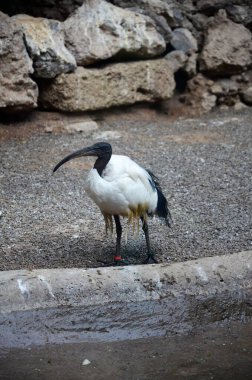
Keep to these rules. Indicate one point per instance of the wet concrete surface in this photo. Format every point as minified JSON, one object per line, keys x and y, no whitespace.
{"x":204,"y":166}
{"x":120,"y":303}
{"x":222,"y":352}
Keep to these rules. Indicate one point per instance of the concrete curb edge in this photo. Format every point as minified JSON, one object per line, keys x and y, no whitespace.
{"x":55,"y":305}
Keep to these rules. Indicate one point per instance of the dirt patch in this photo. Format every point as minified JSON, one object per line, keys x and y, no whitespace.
{"x":195,"y":138}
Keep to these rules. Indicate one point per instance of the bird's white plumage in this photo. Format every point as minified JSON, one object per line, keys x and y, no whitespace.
{"x":123,"y":189}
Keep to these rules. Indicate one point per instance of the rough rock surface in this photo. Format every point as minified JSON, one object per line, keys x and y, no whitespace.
{"x":240,"y":14}
{"x":171,"y":10}
{"x":209,"y":37}
{"x":199,"y":94}
{"x":45,"y":44}
{"x":114,"y":85}
{"x":196,"y":23}
{"x":247,"y":95}
{"x":202,"y":94}
{"x":211,"y":6}
{"x":99,"y":30}
{"x":191,"y":64}
{"x":176,"y":60}
{"x":162,"y":25}
{"x":228,"y":47}
{"x":17,"y":90}
{"x":182,"y":39}
{"x":227,"y":91}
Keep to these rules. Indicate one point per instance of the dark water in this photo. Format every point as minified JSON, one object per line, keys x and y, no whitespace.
{"x":217,"y":353}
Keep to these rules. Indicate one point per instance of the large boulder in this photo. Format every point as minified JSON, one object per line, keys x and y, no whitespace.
{"x":18,"y":92}
{"x":227,"y":49}
{"x":45,"y":43}
{"x":99,"y":30}
{"x":114,"y":85}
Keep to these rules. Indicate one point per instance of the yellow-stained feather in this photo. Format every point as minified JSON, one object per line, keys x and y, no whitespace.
{"x":134,"y":213}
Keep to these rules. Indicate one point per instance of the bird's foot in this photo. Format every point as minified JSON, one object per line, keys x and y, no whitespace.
{"x":150,"y":259}
{"x":118,"y":261}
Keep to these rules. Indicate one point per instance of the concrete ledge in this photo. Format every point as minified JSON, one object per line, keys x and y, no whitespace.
{"x":59,"y":305}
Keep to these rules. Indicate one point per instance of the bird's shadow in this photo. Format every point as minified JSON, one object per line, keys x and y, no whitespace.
{"x":62,"y":251}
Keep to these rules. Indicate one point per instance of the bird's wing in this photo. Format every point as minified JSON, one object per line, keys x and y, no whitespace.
{"x":120,"y":167}
{"x":132,"y":182}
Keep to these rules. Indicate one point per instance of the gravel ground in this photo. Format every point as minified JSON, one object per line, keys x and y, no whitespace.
{"x":204,"y":166}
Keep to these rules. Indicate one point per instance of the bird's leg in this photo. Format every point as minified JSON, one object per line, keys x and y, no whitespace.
{"x":150,"y":256}
{"x":118,"y":237}
{"x":118,"y":259}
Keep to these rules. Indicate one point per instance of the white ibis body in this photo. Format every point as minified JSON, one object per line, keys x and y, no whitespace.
{"x":120,"y":187}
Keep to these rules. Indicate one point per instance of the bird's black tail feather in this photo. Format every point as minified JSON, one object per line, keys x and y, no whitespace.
{"x":162,"y":209}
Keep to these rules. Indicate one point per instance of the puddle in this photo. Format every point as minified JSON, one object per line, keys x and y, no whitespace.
{"x":217,"y":353}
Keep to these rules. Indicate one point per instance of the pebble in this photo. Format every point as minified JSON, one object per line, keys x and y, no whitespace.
{"x":85,"y":127}
{"x":86,"y":362}
{"x":107,"y":135}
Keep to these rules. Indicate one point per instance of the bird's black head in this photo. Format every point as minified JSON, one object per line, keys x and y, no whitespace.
{"x":102,"y":150}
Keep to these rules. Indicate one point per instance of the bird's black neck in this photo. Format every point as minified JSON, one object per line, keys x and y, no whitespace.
{"x":101,"y":162}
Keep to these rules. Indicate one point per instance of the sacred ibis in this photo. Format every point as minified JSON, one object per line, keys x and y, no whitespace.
{"x":120,"y":187}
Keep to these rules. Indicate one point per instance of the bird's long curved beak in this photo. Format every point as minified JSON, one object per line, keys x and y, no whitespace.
{"x":89,"y":151}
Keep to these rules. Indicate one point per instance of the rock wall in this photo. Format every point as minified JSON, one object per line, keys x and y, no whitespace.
{"x":17,"y":90}
{"x":76,"y":55}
